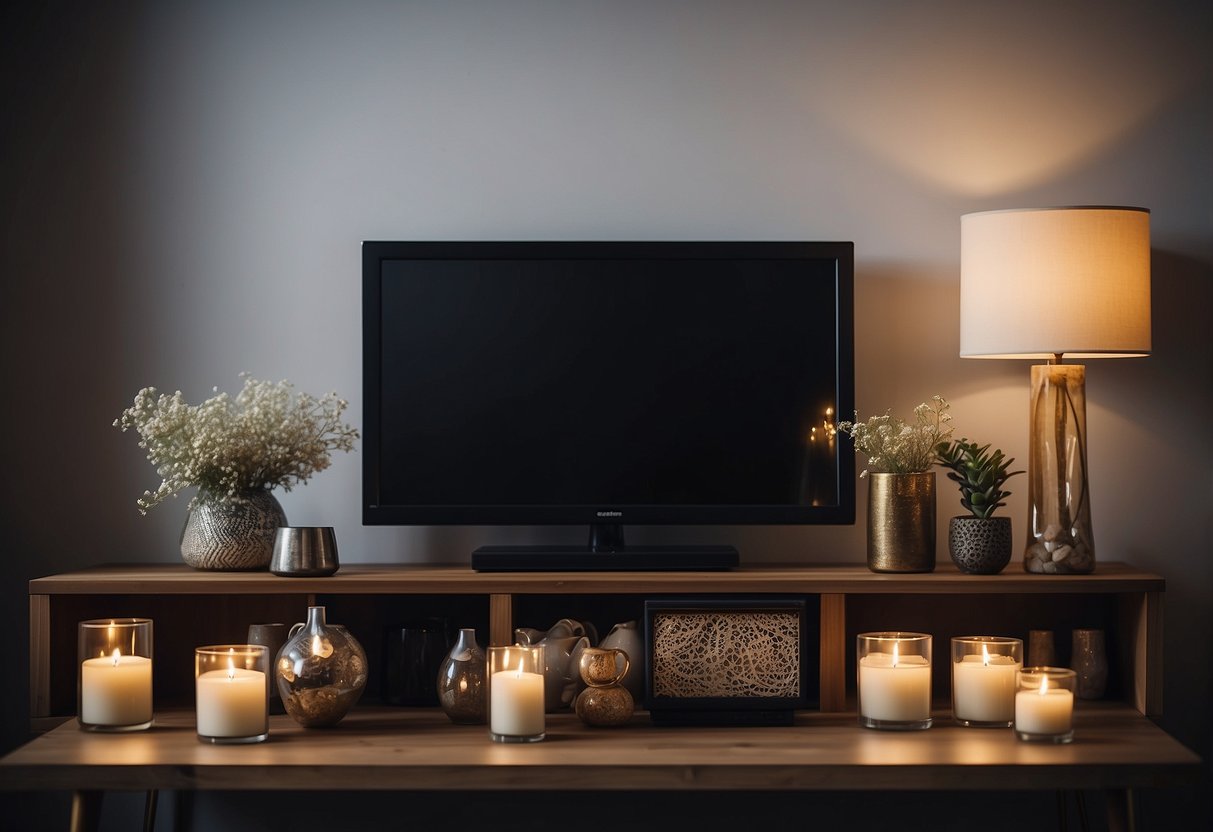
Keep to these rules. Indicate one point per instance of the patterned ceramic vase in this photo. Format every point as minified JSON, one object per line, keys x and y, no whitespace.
{"x":232,"y":533}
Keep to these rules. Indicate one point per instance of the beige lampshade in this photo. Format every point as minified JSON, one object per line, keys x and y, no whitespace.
{"x":1049,"y":281}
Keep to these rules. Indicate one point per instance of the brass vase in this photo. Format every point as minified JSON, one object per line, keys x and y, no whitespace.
{"x":901,"y":522}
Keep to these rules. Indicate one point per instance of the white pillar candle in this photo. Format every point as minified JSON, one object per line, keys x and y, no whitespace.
{"x":231,"y":703}
{"x":894,"y":689}
{"x":1047,"y":710}
{"x":116,"y":690}
{"x":516,"y":704}
{"x":983,"y":687}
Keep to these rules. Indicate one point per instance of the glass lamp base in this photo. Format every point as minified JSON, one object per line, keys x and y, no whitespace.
{"x":1060,"y":540}
{"x":515,"y":739}
{"x":234,"y":740}
{"x":1054,"y":739}
{"x":895,"y":724}
{"x":115,"y":729}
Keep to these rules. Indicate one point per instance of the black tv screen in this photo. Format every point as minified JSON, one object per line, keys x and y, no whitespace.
{"x":629,"y":383}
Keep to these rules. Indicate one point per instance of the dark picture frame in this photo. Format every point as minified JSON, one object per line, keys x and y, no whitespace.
{"x":710,"y":633}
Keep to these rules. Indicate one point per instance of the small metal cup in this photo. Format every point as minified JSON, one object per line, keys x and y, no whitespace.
{"x":304,"y":552}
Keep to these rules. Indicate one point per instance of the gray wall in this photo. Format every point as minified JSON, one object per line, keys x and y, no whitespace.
{"x":185,"y":186}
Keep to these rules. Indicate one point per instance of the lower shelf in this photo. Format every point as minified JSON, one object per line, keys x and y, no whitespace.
{"x":419,"y":750}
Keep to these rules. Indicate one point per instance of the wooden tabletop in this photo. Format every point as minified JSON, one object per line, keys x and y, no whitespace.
{"x":385,"y":579}
{"x":418,"y":749}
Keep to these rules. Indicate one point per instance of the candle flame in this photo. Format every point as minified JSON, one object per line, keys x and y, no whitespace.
{"x":316,"y":645}
{"x":985,"y":656}
{"x":1044,"y":685}
{"x":117,"y":654}
{"x":894,"y":654}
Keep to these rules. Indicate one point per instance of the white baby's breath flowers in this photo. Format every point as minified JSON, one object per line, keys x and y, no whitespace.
{"x":894,"y":447}
{"x":267,"y":436}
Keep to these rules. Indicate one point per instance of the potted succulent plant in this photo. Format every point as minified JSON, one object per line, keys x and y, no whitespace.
{"x":979,"y":542}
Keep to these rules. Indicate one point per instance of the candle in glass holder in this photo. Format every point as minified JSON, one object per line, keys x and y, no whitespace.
{"x":1044,"y":704}
{"x":114,"y":689}
{"x":984,"y":672}
{"x":894,"y":680}
{"x":516,"y":712}
{"x":231,"y":693}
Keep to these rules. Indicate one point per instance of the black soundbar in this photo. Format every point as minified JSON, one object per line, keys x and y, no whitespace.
{"x":581,"y":559}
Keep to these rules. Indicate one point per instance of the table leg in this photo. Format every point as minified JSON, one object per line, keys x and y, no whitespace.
{"x":1063,"y":822}
{"x":183,"y":811}
{"x":1121,"y":810}
{"x":86,"y":810}
{"x":149,"y":810}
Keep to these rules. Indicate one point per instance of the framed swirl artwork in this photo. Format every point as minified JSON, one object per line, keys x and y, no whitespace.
{"x":725,"y":662}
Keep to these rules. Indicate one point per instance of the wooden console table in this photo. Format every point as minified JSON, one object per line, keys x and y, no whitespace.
{"x":1117,"y":747}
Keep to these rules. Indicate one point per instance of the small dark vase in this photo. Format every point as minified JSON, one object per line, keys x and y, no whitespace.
{"x":461,"y":682}
{"x":980,"y":545}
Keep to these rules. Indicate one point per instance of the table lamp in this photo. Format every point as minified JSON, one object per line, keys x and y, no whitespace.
{"x":1056,"y":283}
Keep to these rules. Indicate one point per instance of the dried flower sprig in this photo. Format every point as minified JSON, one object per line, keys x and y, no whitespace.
{"x":267,"y":436}
{"x":894,"y":447}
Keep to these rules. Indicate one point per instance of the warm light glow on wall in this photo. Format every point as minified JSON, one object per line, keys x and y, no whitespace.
{"x":1001,"y":101}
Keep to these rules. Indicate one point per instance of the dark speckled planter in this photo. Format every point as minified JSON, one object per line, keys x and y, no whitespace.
{"x":980,"y":546}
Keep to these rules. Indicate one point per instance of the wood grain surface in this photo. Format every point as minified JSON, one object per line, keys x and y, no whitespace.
{"x":410,"y":749}
{"x":373,"y":579}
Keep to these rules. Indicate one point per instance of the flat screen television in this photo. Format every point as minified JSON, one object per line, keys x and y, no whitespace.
{"x":607,"y":384}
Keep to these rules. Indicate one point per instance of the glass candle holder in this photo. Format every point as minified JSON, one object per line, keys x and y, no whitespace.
{"x":231,"y":693}
{"x":1044,"y":704}
{"x":894,"y":680}
{"x":516,"y":694}
{"x":114,"y":684}
{"x":984,"y":670}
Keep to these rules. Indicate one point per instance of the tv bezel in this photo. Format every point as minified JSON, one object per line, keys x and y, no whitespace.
{"x":375,"y":252}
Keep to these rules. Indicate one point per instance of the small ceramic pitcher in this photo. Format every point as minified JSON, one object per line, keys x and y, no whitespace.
{"x":626,"y":637}
{"x":562,"y":676}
